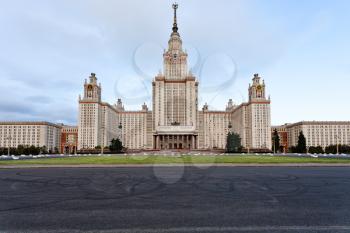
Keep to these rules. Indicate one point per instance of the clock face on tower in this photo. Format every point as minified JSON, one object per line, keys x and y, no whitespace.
{"x":89,"y":91}
{"x":259,"y":88}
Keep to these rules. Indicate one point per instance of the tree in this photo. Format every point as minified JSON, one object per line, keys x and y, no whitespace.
{"x":233,"y":144}
{"x":116,"y":146}
{"x":293,"y":149}
{"x":44,"y":150}
{"x":275,"y":141}
{"x":316,"y":150}
{"x":26,"y":150}
{"x":56,"y":150}
{"x":301,"y":147}
{"x":98,"y":147}
{"x":345,"y":149}
{"x":20,"y":150}
{"x":33,"y":150}
{"x":331,"y":149}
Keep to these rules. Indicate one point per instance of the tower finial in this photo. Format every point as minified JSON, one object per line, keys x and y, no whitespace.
{"x":175,"y":7}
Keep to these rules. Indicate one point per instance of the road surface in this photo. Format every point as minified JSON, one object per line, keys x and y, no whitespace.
{"x":175,"y":199}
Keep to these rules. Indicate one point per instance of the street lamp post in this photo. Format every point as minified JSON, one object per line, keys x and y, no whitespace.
{"x":246,"y":138}
{"x":229,"y":127}
{"x":120,"y":127}
{"x":9,"y":138}
{"x":337,"y":138}
{"x":102,"y":143}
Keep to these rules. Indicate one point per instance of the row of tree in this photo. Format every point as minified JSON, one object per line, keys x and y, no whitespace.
{"x":28,"y":150}
{"x":233,"y":145}
{"x":332,"y":149}
{"x":116,"y":146}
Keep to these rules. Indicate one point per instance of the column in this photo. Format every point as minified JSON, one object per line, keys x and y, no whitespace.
{"x":195,"y":142}
{"x":166,"y":142}
{"x":158,"y":142}
{"x":192,"y":142}
{"x":154,"y":143}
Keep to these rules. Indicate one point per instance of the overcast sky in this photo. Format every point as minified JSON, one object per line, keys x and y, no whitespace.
{"x":300,"y":48}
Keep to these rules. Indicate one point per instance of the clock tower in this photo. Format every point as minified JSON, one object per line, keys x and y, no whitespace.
{"x":92,"y":90}
{"x":257,"y":89}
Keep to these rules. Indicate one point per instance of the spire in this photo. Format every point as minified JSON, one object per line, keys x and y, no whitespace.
{"x":175,"y":6}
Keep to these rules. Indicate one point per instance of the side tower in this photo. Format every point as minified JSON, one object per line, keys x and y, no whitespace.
{"x":89,"y":121}
{"x":258,"y":116}
{"x":252,"y":120}
{"x":175,"y":99}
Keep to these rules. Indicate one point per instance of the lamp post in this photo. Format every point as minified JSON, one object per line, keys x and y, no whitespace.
{"x":120,"y":127}
{"x":229,"y":127}
{"x":9,"y":138}
{"x":337,"y":138}
{"x":246,"y":138}
{"x":102,"y":143}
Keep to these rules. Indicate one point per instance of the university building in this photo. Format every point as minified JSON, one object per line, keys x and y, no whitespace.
{"x":175,"y":121}
{"x":320,"y":133}
{"x":39,"y":134}
{"x":317,"y":133}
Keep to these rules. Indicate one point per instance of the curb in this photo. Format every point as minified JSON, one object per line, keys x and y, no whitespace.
{"x":178,"y":165}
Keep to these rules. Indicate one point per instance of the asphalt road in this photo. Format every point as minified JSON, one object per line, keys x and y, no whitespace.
{"x":175,"y":199}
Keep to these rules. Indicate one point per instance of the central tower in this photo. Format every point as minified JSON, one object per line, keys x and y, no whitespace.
{"x":175,"y":59}
{"x":175,"y":98}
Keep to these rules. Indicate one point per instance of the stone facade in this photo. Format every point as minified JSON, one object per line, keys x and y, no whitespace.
{"x":69,"y":139}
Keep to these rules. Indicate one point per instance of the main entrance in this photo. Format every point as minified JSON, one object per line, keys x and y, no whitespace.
{"x":175,"y":142}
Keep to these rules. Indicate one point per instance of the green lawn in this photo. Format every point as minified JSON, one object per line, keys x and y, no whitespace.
{"x":122,"y":159}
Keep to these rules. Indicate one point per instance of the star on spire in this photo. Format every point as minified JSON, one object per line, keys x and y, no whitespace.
{"x":175,"y":7}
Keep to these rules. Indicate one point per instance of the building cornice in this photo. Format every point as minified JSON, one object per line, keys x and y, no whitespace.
{"x":133,"y":112}
{"x":301,"y":123}
{"x":216,"y":112}
{"x":30,"y":123}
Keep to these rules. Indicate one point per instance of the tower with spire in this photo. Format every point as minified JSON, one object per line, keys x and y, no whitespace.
{"x":175,"y":96}
{"x":175,"y":59}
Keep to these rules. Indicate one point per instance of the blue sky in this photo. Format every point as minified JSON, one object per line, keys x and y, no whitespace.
{"x":300,"y":48}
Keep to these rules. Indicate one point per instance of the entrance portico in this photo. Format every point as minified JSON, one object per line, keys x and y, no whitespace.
{"x":175,"y":138}
{"x":175,"y":142}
